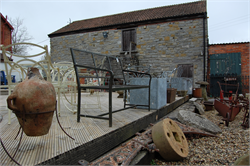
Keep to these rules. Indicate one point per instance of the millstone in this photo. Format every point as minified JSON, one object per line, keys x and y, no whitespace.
{"x":170,"y":140}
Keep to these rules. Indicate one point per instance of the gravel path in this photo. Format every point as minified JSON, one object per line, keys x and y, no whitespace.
{"x":225,"y":149}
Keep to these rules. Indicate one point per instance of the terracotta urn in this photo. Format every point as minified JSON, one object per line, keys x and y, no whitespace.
{"x":33,"y":101}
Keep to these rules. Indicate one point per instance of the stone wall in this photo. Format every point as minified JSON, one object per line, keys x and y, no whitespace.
{"x":163,"y":45}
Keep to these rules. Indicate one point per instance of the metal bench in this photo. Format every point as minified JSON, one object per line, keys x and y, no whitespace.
{"x":104,"y":67}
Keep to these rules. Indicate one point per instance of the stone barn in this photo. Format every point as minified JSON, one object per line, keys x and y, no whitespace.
{"x":163,"y":37}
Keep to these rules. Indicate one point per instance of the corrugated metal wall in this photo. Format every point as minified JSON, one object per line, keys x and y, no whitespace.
{"x":229,"y":63}
{"x":224,"y":66}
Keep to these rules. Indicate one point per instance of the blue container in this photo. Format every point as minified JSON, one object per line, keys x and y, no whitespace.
{"x":13,"y":78}
{"x":158,"y":92}
{"x":182,"y":83}
{"x":3,"y":78}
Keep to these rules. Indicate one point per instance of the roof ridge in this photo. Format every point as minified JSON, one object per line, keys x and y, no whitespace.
{"x":149,"y":14}
{"x":186,"y":3}
{"x":230,"y":43}
{"x":5,"y":19}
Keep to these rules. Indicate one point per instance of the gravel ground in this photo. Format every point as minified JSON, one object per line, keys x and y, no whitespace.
{"x":225,"y":149}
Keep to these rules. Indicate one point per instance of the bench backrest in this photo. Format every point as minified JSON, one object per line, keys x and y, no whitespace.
{"x":94,"y":61}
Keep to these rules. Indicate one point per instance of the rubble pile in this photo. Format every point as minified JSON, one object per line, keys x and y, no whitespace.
{"x":231,"y":144}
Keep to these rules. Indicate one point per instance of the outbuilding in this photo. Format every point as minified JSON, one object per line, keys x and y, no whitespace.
{"x":228,"y":63}
{"x":163,"y":37}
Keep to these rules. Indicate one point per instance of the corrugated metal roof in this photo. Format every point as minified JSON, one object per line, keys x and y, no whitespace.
{"x":229,"y":43}
{"x":135,"y":16}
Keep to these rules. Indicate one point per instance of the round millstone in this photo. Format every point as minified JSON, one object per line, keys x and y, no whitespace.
{"x":170,"y":140}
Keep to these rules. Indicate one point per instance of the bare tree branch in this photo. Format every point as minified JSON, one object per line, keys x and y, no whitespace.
{"x":19,"y":35}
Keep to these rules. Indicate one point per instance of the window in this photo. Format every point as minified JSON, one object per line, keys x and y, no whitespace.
{"x":185,"y":70}
{"x":128,"y":36}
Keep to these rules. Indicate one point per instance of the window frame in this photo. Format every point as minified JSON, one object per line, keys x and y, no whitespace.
{"x":122,"y":42}
{"x":192,"y":71}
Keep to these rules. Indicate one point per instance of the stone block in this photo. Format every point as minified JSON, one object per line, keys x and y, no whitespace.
{"x":197,"y":121}
{"x":199,"y":108}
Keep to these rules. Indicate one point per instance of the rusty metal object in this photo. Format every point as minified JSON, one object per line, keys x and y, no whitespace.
{"x":246,"y":119}
{"x":228,"y":108}
{"x":124,"y":154}
{"x":33,"y":101}
{"x":245,"y":108}
{"x":170,"y":140}
{"x":187,"y":130}
{"x":225,"y":106}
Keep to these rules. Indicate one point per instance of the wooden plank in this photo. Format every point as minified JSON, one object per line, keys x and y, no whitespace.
{"x":9,"y":142}
{"x":34,"y":150}
{"x":26,"y":150}
{"x":79,"y":132}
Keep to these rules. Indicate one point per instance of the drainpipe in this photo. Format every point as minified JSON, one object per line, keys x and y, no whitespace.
{"x":204,"y":45}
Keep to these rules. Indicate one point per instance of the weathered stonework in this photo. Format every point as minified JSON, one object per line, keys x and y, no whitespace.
{"x":162,"y":45}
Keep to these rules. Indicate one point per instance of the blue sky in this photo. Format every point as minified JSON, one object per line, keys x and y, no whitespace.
{"x":228,"y":19}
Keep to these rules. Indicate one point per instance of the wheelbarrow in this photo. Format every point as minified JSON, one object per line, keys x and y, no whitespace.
{"x":229,"y":107}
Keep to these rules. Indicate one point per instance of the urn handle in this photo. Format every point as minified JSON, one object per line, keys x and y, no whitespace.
{"x":10,"y":105}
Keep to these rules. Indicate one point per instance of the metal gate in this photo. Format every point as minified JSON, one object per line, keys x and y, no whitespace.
{"x":225,"y":68}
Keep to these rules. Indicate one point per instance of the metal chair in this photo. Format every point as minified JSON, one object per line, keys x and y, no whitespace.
{"x":63,"y":78}
{"x":113,"y":66}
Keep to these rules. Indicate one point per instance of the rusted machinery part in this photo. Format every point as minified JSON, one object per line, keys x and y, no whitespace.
{"x":190,"y":130}
{"x":224,"y":107}
{"x":227,"y":119}
{"x":245,"y":123}
{"x":124,"y":154}
{"x":170,"y":140}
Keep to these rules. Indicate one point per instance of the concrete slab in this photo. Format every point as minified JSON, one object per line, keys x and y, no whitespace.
{"x":197,"y":121}
{"x":199,"y":108}
{"x":188,"y":106}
